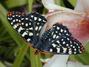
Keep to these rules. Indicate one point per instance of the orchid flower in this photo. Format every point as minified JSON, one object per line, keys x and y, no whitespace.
{"x":76,"y":20}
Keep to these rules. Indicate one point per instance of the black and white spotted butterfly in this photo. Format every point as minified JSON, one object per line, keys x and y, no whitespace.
{"x":57,"y":40}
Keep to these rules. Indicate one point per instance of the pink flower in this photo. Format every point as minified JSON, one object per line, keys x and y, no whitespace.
{"x":76,"y":20}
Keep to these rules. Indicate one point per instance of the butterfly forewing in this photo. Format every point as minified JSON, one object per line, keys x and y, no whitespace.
{"x":38,"y":22}
{"x":27,"y":25}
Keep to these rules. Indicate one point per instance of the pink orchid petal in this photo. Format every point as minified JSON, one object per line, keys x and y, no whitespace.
{"x":82,"y":6}
{"x":77,"y":24}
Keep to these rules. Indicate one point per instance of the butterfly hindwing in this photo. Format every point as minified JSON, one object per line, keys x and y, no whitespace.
{"x":65,"y":46}
{"x":59,"y":40}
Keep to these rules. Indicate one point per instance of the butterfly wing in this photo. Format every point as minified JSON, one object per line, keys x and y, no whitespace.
{"x":38,"y":23}
{"x":28,"y":26}
{"x":59,"y":40}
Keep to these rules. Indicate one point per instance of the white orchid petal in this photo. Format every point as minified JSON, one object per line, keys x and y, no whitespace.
{"x":57,"y":61}
{"x":82,"y":6}
{"x":61,"y":61}
{"x":50,"y":5}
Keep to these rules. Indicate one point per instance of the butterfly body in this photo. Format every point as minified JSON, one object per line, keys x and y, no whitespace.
{"x":57,"y":40}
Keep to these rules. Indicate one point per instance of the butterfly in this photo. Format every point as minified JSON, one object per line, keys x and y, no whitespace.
{"x":57,"y":40}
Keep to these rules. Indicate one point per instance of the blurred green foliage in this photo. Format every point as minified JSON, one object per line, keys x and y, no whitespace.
{"x":14,"y":51}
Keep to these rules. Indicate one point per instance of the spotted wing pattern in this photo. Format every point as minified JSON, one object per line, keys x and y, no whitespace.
{"x":59,"y":40}
{"x":27,"y":25}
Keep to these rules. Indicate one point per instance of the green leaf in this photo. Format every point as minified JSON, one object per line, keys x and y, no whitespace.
{"x":2,"y":65}
{"x":20,"y":42}
{"x":73,"y":2}
{"x":83,"y":58}
{"x":15,"y":3}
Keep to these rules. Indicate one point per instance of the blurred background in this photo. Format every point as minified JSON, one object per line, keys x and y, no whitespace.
{"x":14,"y":51}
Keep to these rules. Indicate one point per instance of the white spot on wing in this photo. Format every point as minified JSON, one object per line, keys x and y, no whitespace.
{"x":20,"y":28}
{"x":61,"y":30}
{"x":31,"y":28}
{"x":32,"y":16}
{"x":58,"y":50}
{"x":64,"y":50}
{"x":13,"y":21}
{"x":75,"y":49}
{"x":28,"y":40}
{"x":9,"y":18}
{"x":51,"y":50}
{"x":22,"y":18}
{"x":30,"y":34}
{"x":68,"y":39}
{"x":13,"y":16}
{"x":25,"y":33}
{"x":29,"y":23}
{"x":75,"y":52}
{"x":36,"y":28}
{"x":62,"y":39}
{"x":54,"y":45}
{"x":26,"y":24}
{"x":38,"y":23}
{"x":58,"y":42}
{"x":54,"y":36}
{"x":39,"y":19}
{"x":15,"y":26}
{"x":35,"y":18}
{"x":26,"y":18}
{"x":58,"y":28}
{"x":44,"y":21}
{"x":67,"y":44}
{"x":17,"y":20}
{"x":40,"y":27}
{"x":67,"y":34}
{"x":65,"y":31}
{"x":70,"y":51}
{"x":22,"y":23}
{"x":57,"y":36}
{"x":63,"y":42}
{"x":16,"y":15}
